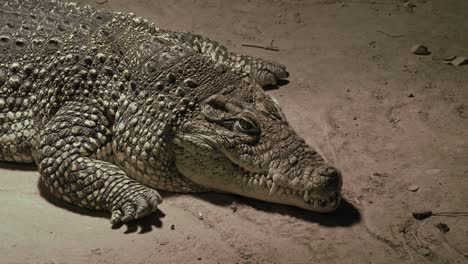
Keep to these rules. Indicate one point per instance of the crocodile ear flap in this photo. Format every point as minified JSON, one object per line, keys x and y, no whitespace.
{"x":217,"y":108}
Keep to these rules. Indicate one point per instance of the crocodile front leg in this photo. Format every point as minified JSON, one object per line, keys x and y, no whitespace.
{"x":66,"y":154}
{"x":264,"y":72}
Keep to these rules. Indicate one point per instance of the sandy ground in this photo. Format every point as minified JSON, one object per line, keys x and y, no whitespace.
{"x":387,"y":118}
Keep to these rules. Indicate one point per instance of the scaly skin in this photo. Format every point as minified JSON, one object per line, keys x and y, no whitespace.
{"x":111,"y":108}
{"x":263,"y":72}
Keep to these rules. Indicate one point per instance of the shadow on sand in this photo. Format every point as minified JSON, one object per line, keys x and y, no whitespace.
{"x":345,"y":215}
{"x":279,"y":83}
{"x":18,"y":166}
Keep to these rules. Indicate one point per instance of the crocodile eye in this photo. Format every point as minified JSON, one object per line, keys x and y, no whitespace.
{"x":247,"y":126}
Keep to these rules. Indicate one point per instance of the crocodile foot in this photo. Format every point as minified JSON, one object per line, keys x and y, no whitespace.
{"x":136,"y":205}
{"x":268,"y":73}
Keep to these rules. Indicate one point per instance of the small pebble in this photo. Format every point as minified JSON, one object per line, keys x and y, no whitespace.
{"x":422,"y":214}
{"x":423,"y":251}
{"x":443,"y":227}
{"x":172,"y":227}
{"x":233,"y":207}
{"x":420,"y":50}
{"x":456,"y":60}
{"x":413,"y":187}
{"x":409,"y":6}
{"x":410,"y":95}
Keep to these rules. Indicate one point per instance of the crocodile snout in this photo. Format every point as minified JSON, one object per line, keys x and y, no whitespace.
{"x":331,"y":178}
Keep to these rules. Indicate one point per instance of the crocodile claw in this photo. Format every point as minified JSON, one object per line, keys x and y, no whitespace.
{"x":136,"y":206}
{"x":267,"y":73}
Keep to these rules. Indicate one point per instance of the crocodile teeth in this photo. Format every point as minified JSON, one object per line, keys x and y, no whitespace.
{"x":263,"y":181}
{"x":306,"y":196}
{"x":274,"y":188}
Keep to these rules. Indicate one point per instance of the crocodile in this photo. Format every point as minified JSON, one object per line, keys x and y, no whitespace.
{"x":112,"y":108}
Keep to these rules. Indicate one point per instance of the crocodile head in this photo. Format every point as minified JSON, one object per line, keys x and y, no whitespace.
{"x":240,"y":142}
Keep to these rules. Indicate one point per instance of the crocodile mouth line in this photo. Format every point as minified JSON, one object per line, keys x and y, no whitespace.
{"x":309,"y":197}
